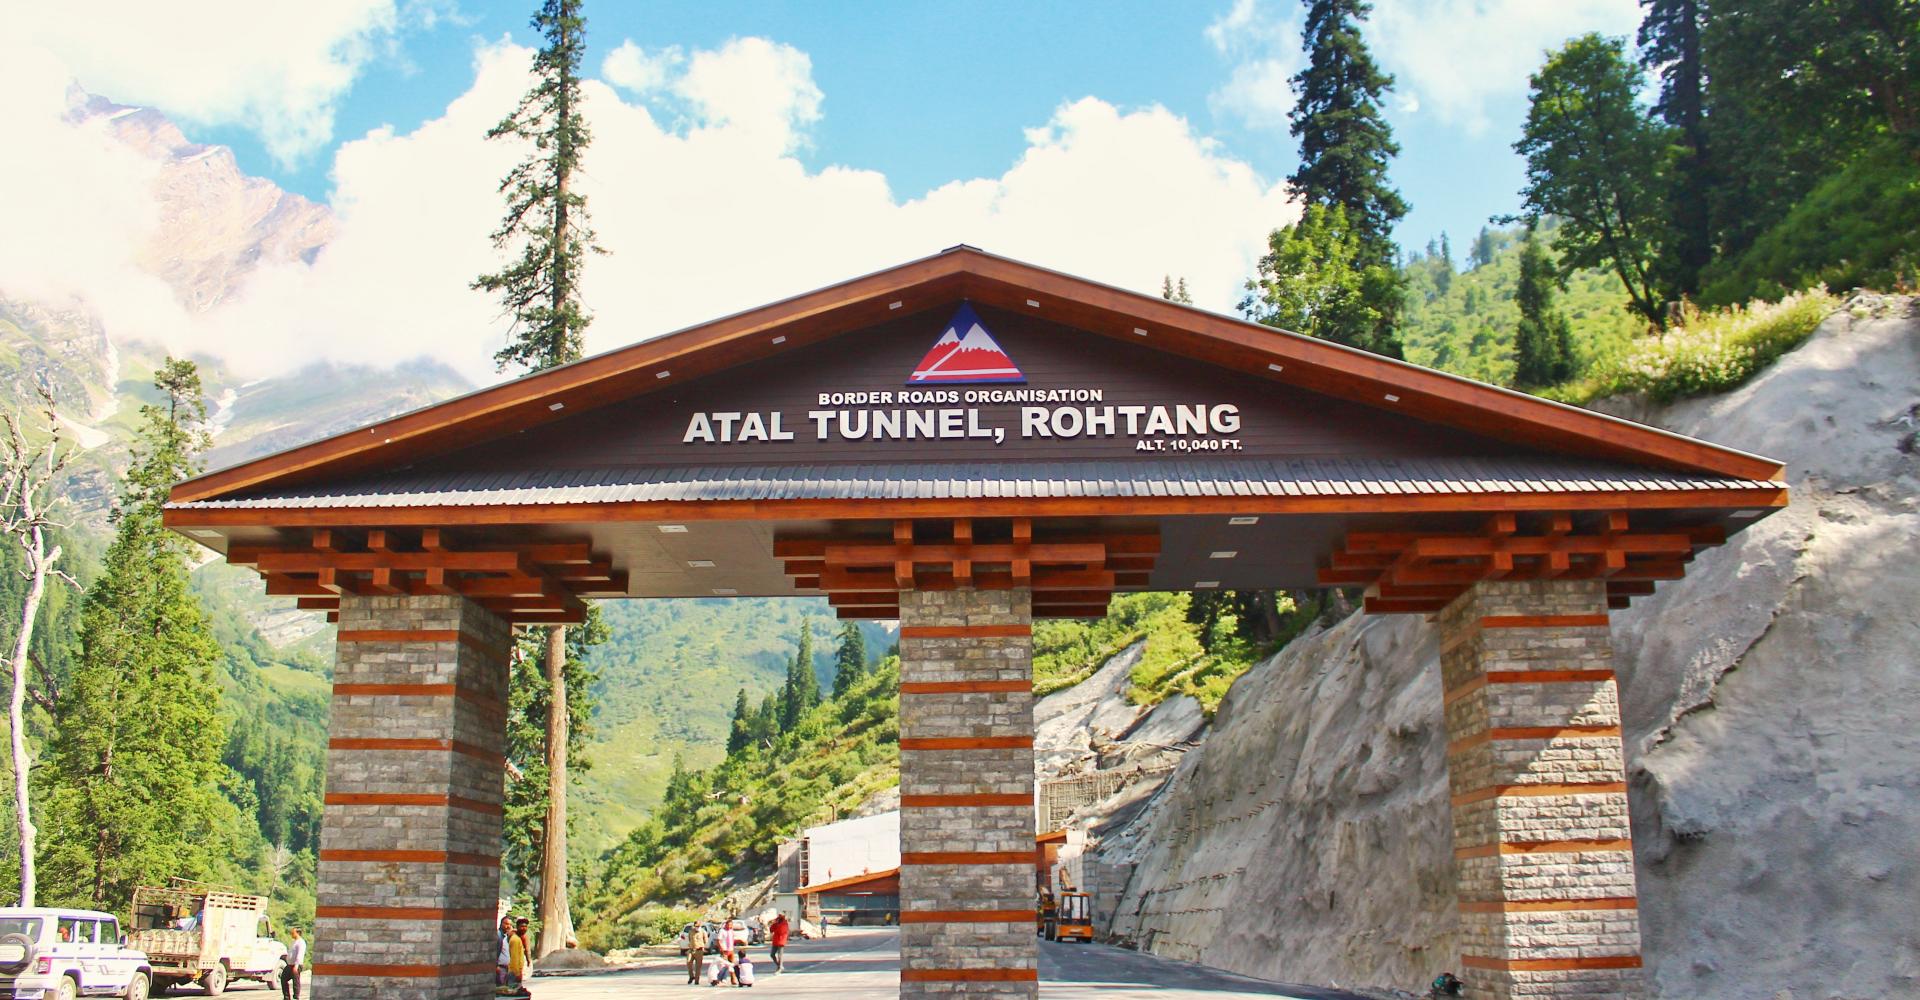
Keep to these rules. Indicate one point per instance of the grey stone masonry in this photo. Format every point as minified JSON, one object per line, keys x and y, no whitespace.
{"x":967,"y":870}
{"x":410,"y":838}
{"x":1542,"y":843}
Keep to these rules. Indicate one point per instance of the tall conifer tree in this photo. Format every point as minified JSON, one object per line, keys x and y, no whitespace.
{"x":1670,"y":36}
{"x":546,"y":223}
{"x":1345,"y":147}
{"x":802,"y":690}
{"x":131,"y":772}
{"x":850,"y":660}
{"x":1543,"y":340}
{"x":1345,"y":142}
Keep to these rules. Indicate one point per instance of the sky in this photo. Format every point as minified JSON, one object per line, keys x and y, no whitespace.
{"x":744,"y":150}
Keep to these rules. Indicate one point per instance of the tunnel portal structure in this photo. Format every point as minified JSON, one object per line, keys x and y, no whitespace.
{"x":966,"y":443}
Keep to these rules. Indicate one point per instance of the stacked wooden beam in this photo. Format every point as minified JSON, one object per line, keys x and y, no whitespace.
{"x":1417,"y":573}
{"x":1071,"y":577}
{"x":527,"y":583}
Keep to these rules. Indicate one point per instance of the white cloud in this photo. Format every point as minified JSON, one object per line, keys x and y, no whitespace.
{"x":762,"y":92}
{"x":1263,"y":47}
{"x":274,"y":68}
{"x":1456,"y":58}
{"x":705,"y":215}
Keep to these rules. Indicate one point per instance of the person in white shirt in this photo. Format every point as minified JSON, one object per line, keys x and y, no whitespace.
{"x":743,"y":970}
{"x":296,"y":961}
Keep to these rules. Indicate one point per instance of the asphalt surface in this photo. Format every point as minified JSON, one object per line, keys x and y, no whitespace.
{"x":864,"y":964}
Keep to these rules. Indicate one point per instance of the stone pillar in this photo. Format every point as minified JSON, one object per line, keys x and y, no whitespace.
{"x":1542,"y":843}
{"x":409,"y":878}
{"x":967,"y":890}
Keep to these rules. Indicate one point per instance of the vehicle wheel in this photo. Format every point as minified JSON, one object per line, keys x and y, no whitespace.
{"x":215,"y":981}
{"x":137,"y":989}
{"x":67,"y":990}
{"x":25,"y":944}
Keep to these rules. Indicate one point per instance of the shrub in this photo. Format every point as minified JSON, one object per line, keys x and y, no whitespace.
{"x":1713,"y":352}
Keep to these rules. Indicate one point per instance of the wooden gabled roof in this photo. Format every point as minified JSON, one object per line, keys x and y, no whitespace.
{"x":967,"y":273}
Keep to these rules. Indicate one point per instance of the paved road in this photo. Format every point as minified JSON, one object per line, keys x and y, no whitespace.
{"x":864,"y":965}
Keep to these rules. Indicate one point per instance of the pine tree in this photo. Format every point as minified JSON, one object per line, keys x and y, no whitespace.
{"x":740,"y":731}
{"x":1670,"y":35}
{"x":766,"y":719}
{"x":546,"y":221}
{"x":530,"y":709}
{"x":802,"y":690}
{"x":132,"y":772}
{"x":1543,"y":340}
{"x":1175,"y":293}
{"x":1345,"y":142}
{"x":850,"y":660}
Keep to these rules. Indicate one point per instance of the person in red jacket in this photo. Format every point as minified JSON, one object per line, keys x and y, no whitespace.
{"x":777,"y":938}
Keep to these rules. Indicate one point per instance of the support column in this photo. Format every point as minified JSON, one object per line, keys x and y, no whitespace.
{"x":409,"y":877}
{"x":966,"y":795}
{"x":1542,"y":844}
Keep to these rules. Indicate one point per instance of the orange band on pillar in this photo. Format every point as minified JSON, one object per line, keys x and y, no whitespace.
{"x":1542,"y":621}
{"x":962,"y":687}
{"x":967,"y":858}
{"x":965,"y":631}
{"x":1551,"y":964}
{"x":1544,"y":847}
{"x":967,"y":743}
{"x":1548,"y":905}
{"x":390,"y":799}
{"x":978,"y":799}
{"x":967,"y":916}
{"x":419,"y":857}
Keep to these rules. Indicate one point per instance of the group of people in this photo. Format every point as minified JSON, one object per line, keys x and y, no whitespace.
{"x":516,"y":947}
{"x":722,"y":956}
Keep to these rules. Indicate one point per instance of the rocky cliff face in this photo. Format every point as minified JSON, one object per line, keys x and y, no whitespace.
{"x":1772,"y":717}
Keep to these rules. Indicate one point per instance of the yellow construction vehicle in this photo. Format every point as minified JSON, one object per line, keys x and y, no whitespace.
{"x":1066,"y":915}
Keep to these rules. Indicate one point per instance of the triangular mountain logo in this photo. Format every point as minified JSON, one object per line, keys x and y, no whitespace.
{"x":965,"y":352}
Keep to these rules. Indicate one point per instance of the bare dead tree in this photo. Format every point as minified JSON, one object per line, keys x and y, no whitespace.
{"x":27,"y":474}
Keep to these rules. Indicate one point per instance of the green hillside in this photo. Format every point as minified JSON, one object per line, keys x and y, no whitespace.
{"x":668,"y":678}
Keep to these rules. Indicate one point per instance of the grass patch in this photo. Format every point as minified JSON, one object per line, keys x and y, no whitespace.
{"x":1713,"y":352}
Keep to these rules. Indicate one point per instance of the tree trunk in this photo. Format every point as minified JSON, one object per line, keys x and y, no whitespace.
{"x":556,"y":917}
{"x":37,"y":564}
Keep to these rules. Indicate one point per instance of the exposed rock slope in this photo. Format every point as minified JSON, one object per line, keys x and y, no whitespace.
{"x":1772,"y":704}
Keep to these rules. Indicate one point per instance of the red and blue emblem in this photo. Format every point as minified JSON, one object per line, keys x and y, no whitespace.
{"x":965,"y":352}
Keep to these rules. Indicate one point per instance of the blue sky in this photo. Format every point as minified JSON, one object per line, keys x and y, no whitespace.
{"x":743,"y":152}
{"x":930,"y":93}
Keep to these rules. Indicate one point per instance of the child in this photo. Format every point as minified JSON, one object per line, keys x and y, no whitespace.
{"x":743,"y":970}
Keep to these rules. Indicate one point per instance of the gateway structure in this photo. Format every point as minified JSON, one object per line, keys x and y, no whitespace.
{"x":1276,"y":461}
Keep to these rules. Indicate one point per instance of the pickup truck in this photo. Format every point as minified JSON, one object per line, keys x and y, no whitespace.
{"x":212,"y":935}
{"x":56,"y":954}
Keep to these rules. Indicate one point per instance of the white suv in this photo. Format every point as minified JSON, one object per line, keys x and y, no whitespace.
{"x":51,"y":954}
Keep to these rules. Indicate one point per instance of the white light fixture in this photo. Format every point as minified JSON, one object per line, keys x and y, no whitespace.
{"x":673,"y":529}
{"x":1744,"y":515}
{"x":662,"y":373}
{"x":556,"y":406}
{"x":203,"y":533}
{"x":893,"y":305}
{"x":1276,"y":368}
{"x":1243,"y":520}
{"x":1223,"y":554}
{"x":780,"y":339}
{"x":1139,"y":332}
{"x":724,"y":592}
{"x":1391,"y":398}
{"x":1206,"y":584}
{"x":1034,"y":303}
{"x":699,"y":564}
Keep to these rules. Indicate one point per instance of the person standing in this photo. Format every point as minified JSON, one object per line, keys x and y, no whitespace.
{"x":731,"y":938}
{"x":517,"y":953}
{"x":777,"y":939}
{"x":296,"y":962}
{"x":696,"y":951}
{"x":504,"y":957}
